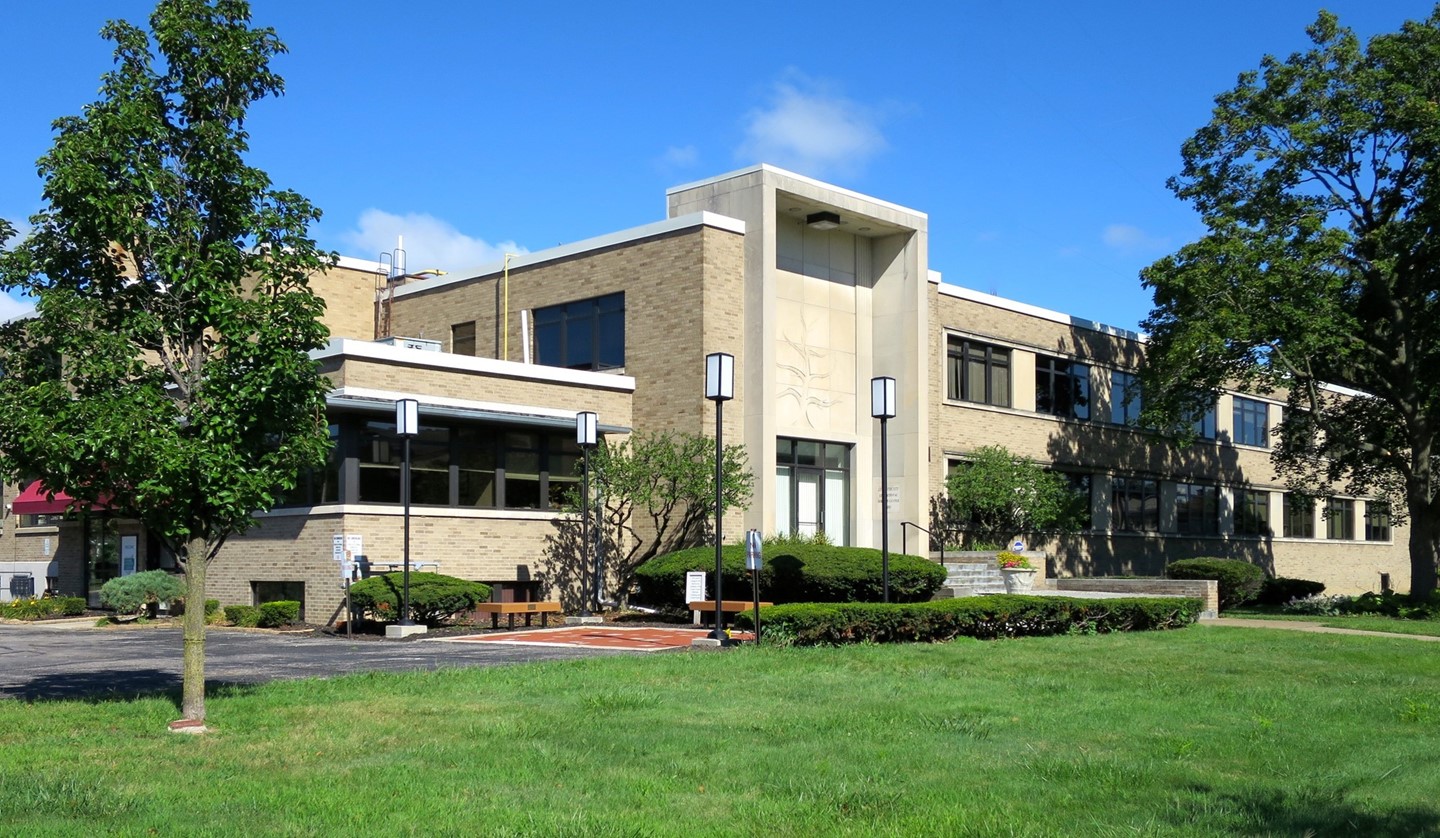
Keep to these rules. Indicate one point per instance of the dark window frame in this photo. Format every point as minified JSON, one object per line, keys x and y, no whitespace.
{"x":1125,"y":410}
{"x":1252,"y":512}
{"x":1377,"y":520}
{"x":960,"y":384}
{"x":1197,"y":509}
{"x":1062,"y":387}
{"x":1299,"y":516}
{"x":1142,"y":491}
{"x":604,"y":316}
{"x":1251,"y":422}
{"x":1339,"y":519}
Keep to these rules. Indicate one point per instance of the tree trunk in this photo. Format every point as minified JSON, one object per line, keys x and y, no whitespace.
{"x":192,"y":702}
{"x":1424,"y":549}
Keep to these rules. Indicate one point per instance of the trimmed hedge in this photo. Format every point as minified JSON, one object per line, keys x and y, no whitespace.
{"x":1238,"y":581}
{"x":434,"y":597}
{"x":40,"y":609}
{"x":282,"y":612}
{"x":794,"y":572}
{"x":987,"y":617}
{"x":1281,"y":590}
{"x":130,"y":594}
{"x":245,"y":616}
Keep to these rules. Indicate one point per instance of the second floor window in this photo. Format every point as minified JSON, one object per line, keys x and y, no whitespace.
{"x":1124,"y":398}
{"x":1062,"y":388}
{"x":977,"y":372}
{"x":583,"y":335}
{"x":1252,"y":422}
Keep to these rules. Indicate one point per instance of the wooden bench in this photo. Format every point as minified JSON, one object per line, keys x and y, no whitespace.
{"x":700,"y":607}
{"x":510,"y":609}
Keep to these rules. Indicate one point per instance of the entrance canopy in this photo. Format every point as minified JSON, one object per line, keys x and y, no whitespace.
{"x":34,"y":500}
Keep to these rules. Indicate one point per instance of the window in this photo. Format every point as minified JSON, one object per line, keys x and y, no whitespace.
{"x":1340,"y":519}
{"x":1252,"y":512}
{"x":1299,"y":516}
{"x":1377,"y":520}
{"x":263,"y":592}
{"x":1197,"y":509}
{"x":462,"y":338}
{"x":978,"y":372}
{"x":1252,"y":422}
{"x":1062,"y":388}
{"x":1124,"y":398}
{"x":583,"y":335}
{"x":1077,"y":514}
{"x":1135,"y":505}
{"x":812,"y":488}
{"x":1204,"y":424}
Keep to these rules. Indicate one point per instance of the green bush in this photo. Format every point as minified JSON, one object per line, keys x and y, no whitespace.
{"x":282,"y":612}
{"x":988,"y":617}
{"x":1238,"y":581}
{"x":795,"y":572}
{"x":245,"y":616}
{"x":1281,"y":590}
{"x":130,"y":594}
{"x":212,"y":606}
{"x":70,"y":606}
{"x":434,"y":597}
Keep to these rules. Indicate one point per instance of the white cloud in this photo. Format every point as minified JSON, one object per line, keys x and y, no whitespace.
{"x":1129,"y":238}
{"x":430,"y":242}
{"x":680,"y":157}
{"x":808,"y":127}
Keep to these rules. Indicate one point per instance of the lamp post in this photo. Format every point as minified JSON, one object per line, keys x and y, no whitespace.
{"x":719,"y":388}
{"x":882,"y":407}
{"x":585,"y":427}
{"x":407,"y":424}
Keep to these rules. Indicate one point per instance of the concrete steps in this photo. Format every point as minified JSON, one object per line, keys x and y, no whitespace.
{"x":971,"y":579}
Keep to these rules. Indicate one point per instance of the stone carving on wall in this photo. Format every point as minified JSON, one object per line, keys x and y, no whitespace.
{"x":807,"y":386}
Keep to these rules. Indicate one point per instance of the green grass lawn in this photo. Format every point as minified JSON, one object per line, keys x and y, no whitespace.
{"x":1361,"y":622}
{"x":1205,"y":731}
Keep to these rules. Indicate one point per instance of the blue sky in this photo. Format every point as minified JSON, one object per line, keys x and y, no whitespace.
{"x":1037,"y":136}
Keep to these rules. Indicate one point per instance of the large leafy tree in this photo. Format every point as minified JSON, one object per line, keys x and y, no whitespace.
{"x":996,"y":495}
{"x":1319,"y":277}
{"x":167,"y":366}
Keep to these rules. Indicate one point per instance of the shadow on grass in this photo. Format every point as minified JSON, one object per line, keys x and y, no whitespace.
{"x":115,"y":685}
{"x":1316,"y":814}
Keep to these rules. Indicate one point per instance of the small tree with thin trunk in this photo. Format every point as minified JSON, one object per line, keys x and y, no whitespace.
{"x":996,"y":495}
{"x":167,"y":363}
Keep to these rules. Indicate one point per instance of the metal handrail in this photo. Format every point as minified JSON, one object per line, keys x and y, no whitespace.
{"x":904,"y":543}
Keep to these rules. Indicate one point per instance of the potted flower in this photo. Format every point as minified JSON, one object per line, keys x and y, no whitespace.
{"x":1018,"y":573}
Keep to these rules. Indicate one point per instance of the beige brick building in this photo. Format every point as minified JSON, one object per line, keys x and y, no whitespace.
{"x":815,"y":290}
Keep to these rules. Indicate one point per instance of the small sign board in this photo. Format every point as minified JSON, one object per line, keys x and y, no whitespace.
{"x":694,"y":586}
{"x":1018,"y":546}
{"x":753,"y":557}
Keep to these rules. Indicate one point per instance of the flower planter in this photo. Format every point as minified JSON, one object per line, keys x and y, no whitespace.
{"x":1018,"y":580}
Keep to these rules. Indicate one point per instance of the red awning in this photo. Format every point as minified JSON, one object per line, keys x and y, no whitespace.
{"x":34,"y":500}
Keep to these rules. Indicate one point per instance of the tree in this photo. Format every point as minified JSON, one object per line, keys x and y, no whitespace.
{"x":167,"y":362}
{"x":1318,"y":278}
{"x":997,"y":494}
{"x":657,"y":495}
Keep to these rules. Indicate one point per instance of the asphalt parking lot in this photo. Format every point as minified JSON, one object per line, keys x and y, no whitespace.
{"x":42,"y":662}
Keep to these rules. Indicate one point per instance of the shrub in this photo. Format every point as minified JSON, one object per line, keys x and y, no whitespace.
{"x":130,"y":594}
{"x":1316,"y":605}
{"x":1281,"y":590}
{"x":282,"y":612}
{"x":246,"y":616}
{"x":70,"y":606}
{"x":434,"y":597}
{"x":794,"y":571}
{"x":1238,"y":581}
{"x":988,"y":617}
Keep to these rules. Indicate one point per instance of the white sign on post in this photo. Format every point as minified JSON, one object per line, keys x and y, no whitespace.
{"x":337,"y":547}
{"x":695,"y":586}
{"x":752,"y":550}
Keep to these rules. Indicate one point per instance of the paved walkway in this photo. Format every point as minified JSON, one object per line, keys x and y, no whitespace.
{"x":632,"y":639}
{"x":1296,"y":625}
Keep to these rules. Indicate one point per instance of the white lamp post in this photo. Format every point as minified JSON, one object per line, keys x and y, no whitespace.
{"x":586,"y":423}
{"x":407,"y":424}
{"x":719,"y":388}
{"x":882,"y":407}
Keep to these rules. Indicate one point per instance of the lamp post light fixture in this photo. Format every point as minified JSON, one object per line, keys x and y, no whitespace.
{"x":882,"y":407}
{"x":407,"y":424}
{"x":586,"y":423}
{"x":719,"y":388}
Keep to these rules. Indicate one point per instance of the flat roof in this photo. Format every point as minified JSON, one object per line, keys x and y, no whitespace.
{"x":818,"y":184}
{"x":372,"y":351}
{"x":1018,"y":307}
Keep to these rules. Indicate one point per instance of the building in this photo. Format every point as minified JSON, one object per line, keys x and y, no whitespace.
{"x":815,"y":290}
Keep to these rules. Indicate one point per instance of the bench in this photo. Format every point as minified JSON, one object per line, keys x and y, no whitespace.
{"x":510,"y":609}
{"x":701,"y":607}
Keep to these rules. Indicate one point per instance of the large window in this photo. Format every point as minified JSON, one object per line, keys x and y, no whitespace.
{"x":1062,"y":387}
{"x":1340,"y":519}
{"x":1252,"y":512}
{"x":1252,"y":422}
{"x":1299,"y":516}
{"x":1197,"y":509}
{"x":1204,"y":424}
{"x":978,"y":372}
{"x":1134,"y":504}
{"x":812,"y":488}
{"x":1377,"y":520}
{"x":1124,"y":398}
{"x":583,"y":335}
